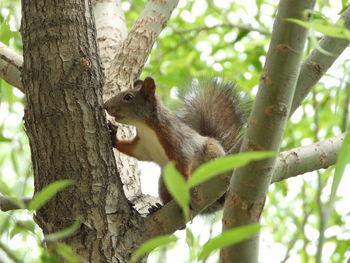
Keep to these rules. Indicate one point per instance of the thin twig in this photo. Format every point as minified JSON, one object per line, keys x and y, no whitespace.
{"x":11,"y":66}
{"x":320,"y":208}
{"x":345,"y":119}
{"x":7,"y":204}
{"x":300,"y":227}
{"x":229,"y":25}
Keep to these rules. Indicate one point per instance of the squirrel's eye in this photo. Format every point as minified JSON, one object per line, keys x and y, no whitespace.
{"x":128,"y":97}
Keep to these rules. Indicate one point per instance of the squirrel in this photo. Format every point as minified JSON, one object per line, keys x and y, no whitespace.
{"x":207,"y":125}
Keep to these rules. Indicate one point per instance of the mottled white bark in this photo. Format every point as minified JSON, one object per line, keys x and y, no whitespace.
{"x":132,"y":55}
{"x":10,"y":66}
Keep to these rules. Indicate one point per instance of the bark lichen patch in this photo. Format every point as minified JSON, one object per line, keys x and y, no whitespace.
{"x":323,"y":158}
{"x":266,"y":79}
{"x":279,"y":109}
{"x":315,"y":67}
{"x":232,"y":199}
{"x":252,"y":146}
{"x":255,"y":208}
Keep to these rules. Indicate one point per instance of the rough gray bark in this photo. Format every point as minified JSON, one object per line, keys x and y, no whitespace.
{"x":66,"y":126}
{"x":111,"y":32}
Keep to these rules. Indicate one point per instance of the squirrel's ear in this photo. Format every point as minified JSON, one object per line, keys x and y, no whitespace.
{"x":149,"y":87}
{"x":138,"y":83}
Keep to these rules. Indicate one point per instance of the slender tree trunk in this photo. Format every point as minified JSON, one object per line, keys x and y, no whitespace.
{"x":246,"y":196}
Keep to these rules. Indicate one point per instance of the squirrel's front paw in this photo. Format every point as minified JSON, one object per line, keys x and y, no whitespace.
{"x":113,"y":132}
{"x":154,"y":208}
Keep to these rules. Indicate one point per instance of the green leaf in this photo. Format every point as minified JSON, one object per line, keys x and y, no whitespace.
{"x":47,"y":193}
{"x":342,"y":161}
{"x":228,"y":238}
{"x":314,"y":41}
{"x":152,"y":244}
{"x":224,"y":164}
{"x":4,"y":139}
{"x":66,"y":252}
{"x":345,"y":6}
{"x":15,"y":231}
{"x":323,"y":27}
{"x":15,"y":163}
{"x":47,"y":258}
{"x":63,"y":233}
{"x":27,"y":225}
{"x":190,"y":239}
{"x":4,"y":188}
{"x":177,"y":187}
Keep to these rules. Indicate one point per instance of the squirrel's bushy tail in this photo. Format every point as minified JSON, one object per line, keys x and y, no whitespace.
{"x":214,"y":108}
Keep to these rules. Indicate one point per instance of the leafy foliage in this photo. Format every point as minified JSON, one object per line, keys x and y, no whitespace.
{"x":180,"y":189}
{"x":207,"y":38}
{"x":152,"y":244}
{"x":227,"y":238}
{"x":224,"y":164}
{"x":177,"y":187}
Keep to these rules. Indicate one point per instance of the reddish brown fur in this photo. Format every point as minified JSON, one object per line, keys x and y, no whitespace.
{"x":168,"y":141}
{"x":127,"y":146}
{"x":166,"y":138}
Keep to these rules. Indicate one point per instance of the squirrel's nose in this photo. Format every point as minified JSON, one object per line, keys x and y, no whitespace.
{"x":110,"y":106}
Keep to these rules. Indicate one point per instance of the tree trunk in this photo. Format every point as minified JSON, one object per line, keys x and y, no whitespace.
{"x":66,"y":126}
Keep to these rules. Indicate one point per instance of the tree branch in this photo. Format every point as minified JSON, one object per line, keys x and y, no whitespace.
{"x":229,"y":25}
{"x":289,"y":164}
{"x":67,"y":130}
{"x":110,"y":27}
{"x":317,"y":63}
{"x":295,"y":237}
{"x":7,"y":204}
{"x":246,"y":196}
{"x":11,"y":66}
{"x":346,"y":105}
{"x":307,"y":158}
{"x":132,"y":55}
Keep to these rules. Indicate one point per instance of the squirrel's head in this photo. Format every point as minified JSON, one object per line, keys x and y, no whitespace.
{"x":134,"y":105}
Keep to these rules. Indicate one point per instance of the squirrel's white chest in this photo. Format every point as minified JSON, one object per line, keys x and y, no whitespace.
{"x":149,"y":146}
